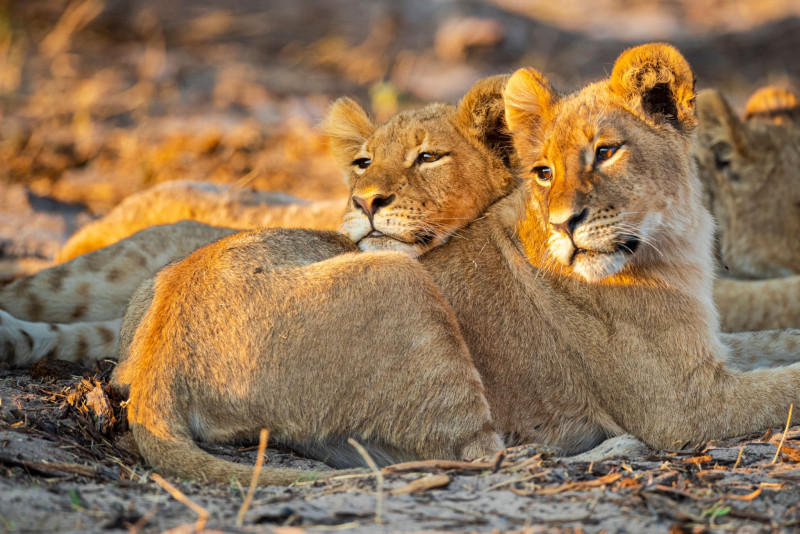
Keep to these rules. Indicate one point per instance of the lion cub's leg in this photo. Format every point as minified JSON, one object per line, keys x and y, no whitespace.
{"x":758,"y":304}
{"x":73,"y":311}
{"x":228,"y":343}
{"x":765,"y":348}
{"x":23,"y":343}
{"x":97,"y":285}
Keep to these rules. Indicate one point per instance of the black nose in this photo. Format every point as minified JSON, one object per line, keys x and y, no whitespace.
{"x":371,"y":205}
{"x":568,"y":226}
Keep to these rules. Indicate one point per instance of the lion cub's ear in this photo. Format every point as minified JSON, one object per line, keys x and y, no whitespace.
{"x":348,"y":126}
{"x":481,"y":113}
{"x":655,"y":80}
{"x":529,"y":98}
{"x":773,"y":104}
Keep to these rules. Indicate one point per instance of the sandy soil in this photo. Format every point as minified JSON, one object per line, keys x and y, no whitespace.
{"x":67,"y":463}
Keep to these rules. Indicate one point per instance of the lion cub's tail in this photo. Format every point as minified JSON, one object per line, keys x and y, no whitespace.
{"x":167,"y":445}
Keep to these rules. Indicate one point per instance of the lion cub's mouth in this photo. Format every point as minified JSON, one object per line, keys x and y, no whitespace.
{"x":594,"y":265}
{"x":376,"y":240}
{"x":628,"y":247}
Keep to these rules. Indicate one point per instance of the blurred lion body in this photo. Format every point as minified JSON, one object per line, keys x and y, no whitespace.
{"x":226,"y":206}
{"x":751,"y":176}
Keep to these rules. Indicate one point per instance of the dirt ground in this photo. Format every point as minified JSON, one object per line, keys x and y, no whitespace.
{"x":101,"y":99}
{"x":67,"y":464}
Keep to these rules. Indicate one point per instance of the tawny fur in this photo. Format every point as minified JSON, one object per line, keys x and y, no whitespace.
{"x":298,"y":366}
{"x":73,"y":311}
{"x":620,"y":334}
{"x":755,"y":243}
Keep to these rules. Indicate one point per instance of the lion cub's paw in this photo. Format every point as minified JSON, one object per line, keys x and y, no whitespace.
{"x":625,"y":446}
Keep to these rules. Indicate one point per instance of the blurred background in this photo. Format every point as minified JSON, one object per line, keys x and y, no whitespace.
{"x":103,"y":98}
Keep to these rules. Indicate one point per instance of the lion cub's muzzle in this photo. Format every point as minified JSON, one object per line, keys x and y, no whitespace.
{"x":595,"y":243}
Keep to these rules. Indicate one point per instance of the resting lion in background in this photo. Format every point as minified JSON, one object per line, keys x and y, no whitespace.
{"x":751,"y":175}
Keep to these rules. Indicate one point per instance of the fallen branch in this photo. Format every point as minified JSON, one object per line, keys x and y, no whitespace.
{"x":57,"y":469}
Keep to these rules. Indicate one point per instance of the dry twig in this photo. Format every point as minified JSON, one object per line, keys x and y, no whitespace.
{"x":435,"y":465}
{"x":783,"y":437}
{"x":378,"y":475}
{"x":178,"y":495}
{"x":262,"y":446}
{"x":423,"y":484}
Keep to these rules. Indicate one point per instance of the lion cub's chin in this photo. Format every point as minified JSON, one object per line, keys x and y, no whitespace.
{"x":387,"y":243}
{"x":591,"y":265}
{"x":594,"y":266}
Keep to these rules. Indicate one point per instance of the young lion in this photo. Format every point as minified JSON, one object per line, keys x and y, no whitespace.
{"x":584,"y":298}
{"x":72,"y":311}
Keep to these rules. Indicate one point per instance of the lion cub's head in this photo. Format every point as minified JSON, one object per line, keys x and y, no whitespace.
{"x":751,"y":176}
{"x":610,"y":166}
{"x":423,"y":175}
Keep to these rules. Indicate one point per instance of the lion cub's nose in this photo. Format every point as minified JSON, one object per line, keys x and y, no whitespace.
{"x":370,"y":205}
{"x":570,"y":223}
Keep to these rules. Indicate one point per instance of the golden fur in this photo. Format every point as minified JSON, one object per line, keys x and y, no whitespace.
{"x":584,"y":299}
{"x":761,"y":156}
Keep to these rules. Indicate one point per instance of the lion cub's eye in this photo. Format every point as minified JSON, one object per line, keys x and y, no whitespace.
{"x":604,"y":153}
{"x":544,"y":174}
{"x":362,"y":163}
{"x":428,"y":157}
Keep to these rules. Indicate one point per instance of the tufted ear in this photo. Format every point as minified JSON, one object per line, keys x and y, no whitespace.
{"x":773,"y":104}
{"x":720,"y":131}
{"x":656,"y":81}
{"x":529,"y":97}
{"x":481,"y":113}
{"x":348,"y":126}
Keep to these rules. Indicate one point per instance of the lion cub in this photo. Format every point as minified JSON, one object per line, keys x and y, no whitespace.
{"x":584,"y":298}
{"x":72,"y":311}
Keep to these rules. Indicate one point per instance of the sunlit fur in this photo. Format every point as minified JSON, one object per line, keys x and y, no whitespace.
{"x":229,"y":206}
{"x":627,"y":202}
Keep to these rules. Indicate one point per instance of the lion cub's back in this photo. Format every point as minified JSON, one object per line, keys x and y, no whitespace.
{"x":224,"y":263}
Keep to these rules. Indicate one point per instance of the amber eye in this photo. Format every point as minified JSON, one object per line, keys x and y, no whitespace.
{"x":427,"y":157}
{"x":543,"y":173}
{"x":362,"y":163}
{"x":604,"y":153}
